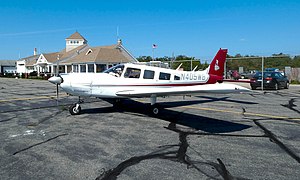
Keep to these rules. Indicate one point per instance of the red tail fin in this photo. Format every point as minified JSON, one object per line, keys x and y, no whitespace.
{"x":216,"y":67}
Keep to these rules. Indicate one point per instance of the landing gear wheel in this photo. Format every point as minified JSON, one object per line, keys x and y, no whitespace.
{"x":155,"y":110}
{"x":75,"y":109}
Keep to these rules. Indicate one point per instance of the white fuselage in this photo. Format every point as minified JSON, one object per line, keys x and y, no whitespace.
{"x":142,"y":81}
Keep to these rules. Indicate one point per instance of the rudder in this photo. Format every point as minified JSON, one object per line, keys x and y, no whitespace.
{"x":216,"y":67}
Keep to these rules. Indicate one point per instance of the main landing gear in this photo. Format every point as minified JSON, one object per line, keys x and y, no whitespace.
{"x":155,"y":109}
{"x":75,"y":109}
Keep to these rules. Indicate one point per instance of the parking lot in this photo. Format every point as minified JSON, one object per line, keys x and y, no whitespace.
{"x":224,"y":136}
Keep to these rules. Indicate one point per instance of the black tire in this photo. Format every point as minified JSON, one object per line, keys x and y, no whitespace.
{"x":73,"y":110}
{"x":155,"y":109}
{"x":287,"y":85}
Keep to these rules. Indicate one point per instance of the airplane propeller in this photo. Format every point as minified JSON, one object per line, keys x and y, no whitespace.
{"x":57,"y":80}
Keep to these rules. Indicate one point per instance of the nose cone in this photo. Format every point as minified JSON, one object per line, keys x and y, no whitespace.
{"x":55,"y":80}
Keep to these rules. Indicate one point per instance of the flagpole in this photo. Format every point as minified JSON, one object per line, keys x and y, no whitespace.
{"x":152,"y":53}
{"x":153,"y":47}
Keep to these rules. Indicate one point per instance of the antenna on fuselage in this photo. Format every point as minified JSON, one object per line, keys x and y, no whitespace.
{"x":178,"y":66}
{"x":195,"y":68}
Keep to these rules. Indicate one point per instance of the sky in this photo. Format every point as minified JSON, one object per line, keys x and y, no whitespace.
{"x":196,"y":28}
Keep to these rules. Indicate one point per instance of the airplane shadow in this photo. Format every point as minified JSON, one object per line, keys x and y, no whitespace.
{"x":203,"y":123}
{"x":176,"y":153}
{"x":225,"y":99}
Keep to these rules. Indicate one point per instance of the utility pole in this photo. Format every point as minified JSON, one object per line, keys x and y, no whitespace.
{"x":262,"y":73}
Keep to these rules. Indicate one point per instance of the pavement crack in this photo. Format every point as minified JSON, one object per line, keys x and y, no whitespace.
{"x":291,"y":105}
{"x":274,"y":139}
{"x":45,"y":118}
{"x":179,"y":155}
{"x":29,"y":147}
{"x":5,"y":120}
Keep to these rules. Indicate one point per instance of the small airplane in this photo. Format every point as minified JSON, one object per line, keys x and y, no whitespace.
{"x":137,"y":81}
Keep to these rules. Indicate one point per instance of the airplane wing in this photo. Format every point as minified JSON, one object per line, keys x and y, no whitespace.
{"x":183,"y":90}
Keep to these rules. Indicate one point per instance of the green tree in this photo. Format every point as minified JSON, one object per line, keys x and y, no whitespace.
{"x":186,"y":63}
{"x":144,"y":58}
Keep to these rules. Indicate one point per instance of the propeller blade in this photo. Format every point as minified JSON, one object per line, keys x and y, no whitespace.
{"x":57,"y":94}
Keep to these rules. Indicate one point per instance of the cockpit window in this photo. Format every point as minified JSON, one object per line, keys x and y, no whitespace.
{"x":132,"y":73}
{"x":115,"y":70}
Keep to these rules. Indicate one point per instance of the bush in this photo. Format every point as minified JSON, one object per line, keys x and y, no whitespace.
{"x":295,"y":82}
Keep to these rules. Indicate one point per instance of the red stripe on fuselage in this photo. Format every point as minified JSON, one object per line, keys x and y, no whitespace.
{"x":212,"y":79}
{"x":186,"y":84}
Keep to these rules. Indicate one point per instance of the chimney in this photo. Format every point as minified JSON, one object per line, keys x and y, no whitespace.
{"x":35,"y":51}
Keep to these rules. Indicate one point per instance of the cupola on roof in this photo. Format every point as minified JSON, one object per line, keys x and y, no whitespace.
{"x":76,"y":35}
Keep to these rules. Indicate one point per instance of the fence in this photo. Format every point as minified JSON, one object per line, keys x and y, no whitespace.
{"x":293,"y":73}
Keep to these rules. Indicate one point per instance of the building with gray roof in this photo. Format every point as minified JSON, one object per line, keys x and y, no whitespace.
{"x":78,"y":56}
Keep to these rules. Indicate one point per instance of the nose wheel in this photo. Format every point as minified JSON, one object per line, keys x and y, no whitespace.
{"x":75,"y":109}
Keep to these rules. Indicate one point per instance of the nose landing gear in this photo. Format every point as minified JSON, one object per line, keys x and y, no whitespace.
{"x":75,"y":109}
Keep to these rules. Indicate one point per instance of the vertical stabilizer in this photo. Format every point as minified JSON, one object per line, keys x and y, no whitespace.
{"x":216,"y":67}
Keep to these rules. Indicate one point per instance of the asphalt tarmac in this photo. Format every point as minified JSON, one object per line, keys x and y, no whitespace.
{"x":224,"y":136}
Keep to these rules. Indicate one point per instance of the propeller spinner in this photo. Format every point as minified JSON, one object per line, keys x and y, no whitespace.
{"x":56,"y":80}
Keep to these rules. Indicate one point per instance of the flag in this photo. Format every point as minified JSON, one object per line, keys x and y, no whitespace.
{"x":154,"y":46}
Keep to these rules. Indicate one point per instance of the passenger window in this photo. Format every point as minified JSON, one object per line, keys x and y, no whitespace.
{"x":148,"y":74}
{"x":164,"y":76}
{"x":132,"y":73}
{"x":176,"y":77}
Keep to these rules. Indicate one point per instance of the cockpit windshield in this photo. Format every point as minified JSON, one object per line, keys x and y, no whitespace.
{"x":115,"y":70}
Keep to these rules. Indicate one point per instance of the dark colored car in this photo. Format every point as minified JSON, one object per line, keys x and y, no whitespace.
{"x":272,"y":80}
{"x":33,"y":73}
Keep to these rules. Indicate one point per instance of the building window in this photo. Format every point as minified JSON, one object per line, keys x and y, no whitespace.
{"x":100,"y":67}
{"x":148,"y":74}
{"x":83,"y":68}
{"x":69,"y":68}
{"x":75,"y":68}
{"x":90,"y":68}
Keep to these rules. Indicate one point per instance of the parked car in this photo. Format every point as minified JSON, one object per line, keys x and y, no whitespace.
{"x":272,"y":69}
{"x":33,"y":73}
{"x":248,"y":75}
{"x":274,"y":80}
